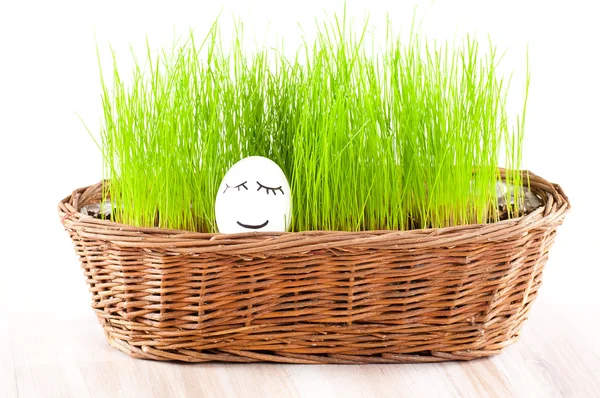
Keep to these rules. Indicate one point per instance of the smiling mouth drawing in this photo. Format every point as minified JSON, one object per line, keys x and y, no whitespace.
{"x":253,"y":226}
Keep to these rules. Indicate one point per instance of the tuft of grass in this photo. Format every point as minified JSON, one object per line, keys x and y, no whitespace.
{"x":408,"y":137}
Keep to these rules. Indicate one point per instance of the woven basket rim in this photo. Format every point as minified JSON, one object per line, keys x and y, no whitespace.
{"x":555,"y":205}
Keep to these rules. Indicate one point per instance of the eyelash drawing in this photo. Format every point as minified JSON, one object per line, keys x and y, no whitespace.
{"x":242,"y":185}
{"x":274,"y":190}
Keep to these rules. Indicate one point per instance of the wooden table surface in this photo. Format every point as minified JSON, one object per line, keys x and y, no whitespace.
{"x":53,"y":346}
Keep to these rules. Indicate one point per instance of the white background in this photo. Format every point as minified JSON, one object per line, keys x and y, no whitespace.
{"x":49,"y":72}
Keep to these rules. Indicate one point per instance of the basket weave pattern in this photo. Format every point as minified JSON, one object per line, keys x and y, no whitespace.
{"x":455,"y":293}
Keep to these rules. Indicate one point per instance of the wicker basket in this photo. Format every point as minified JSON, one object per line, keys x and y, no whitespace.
{"x":455,"y":293}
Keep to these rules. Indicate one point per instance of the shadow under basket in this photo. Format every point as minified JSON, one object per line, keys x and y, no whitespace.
{"x":430,"y":295}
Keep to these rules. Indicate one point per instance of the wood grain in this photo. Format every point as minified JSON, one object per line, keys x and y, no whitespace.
{"x":558,"y":355}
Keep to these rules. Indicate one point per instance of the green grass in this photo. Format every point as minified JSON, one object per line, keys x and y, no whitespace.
{"x":408,"y":137}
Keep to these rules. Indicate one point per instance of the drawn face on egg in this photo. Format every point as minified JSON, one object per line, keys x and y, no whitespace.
{"x":253,"y":196}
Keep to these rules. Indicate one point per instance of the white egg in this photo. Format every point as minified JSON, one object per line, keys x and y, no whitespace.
{"x":253,"y":196}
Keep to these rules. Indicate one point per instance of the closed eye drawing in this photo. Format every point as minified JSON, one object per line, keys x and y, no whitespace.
{"x":269,"y":189}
